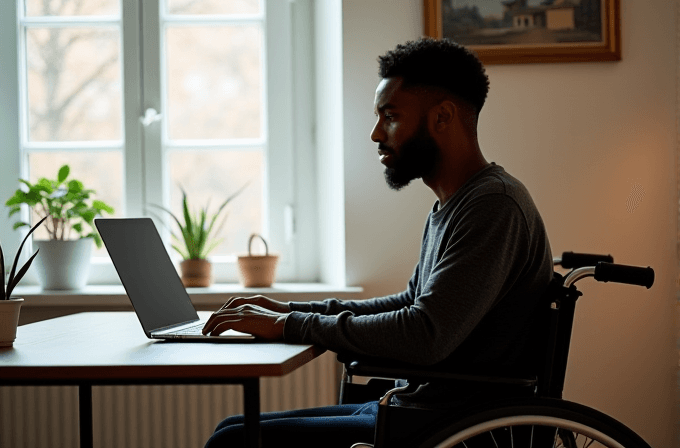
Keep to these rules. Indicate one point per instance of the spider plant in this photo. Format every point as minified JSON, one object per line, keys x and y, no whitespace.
{"x":14,"y":276}
{"x":197,"y":232}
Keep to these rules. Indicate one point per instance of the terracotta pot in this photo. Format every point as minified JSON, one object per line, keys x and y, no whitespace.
{"x":257,"y":270}
{"x":196,"y":273}
{"x":9,"y":320}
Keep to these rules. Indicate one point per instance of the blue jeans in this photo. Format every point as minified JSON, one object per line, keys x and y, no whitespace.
{"x":330,"y":426}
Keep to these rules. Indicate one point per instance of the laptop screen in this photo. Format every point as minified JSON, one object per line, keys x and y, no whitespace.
{"x":147,"y":273}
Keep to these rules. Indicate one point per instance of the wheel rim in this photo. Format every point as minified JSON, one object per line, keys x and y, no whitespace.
{"x":584,"y":435}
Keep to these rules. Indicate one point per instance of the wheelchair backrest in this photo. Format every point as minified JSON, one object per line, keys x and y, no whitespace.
{"x":552,"y":336}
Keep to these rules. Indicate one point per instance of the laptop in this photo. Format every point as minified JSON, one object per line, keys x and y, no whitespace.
{"x":151,"y":281}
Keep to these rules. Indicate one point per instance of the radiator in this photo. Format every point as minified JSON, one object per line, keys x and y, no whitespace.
{"x":152,"y":416}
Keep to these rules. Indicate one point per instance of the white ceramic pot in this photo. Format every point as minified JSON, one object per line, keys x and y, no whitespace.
{"x":9,"y":320}
{"x":63,"y":264}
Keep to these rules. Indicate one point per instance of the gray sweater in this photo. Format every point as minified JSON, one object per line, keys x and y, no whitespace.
{"x":485,"y":259}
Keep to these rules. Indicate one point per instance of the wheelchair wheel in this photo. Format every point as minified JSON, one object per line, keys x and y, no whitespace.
{"x":536,"y":423}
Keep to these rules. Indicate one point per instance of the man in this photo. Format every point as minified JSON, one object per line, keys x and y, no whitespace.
{"x":484,"y":261}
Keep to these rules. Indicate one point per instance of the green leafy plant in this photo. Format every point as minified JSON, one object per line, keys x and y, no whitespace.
{"x":65,"y":203}
{"x":14,"y":276}
{"x":196,"y":239}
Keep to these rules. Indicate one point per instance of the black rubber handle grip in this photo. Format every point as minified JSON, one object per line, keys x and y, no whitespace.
{"x":620,"y":273}
{"x":570,"y":260}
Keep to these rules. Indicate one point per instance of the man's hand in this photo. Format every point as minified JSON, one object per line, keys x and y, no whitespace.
{"x":252,"y":315}
{"x":261,"y":301}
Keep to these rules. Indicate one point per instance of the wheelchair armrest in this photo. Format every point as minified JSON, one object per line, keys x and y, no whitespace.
{"x":364,"y":366}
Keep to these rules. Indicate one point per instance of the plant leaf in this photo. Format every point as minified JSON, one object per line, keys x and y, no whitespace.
{"x":17,"y":199}
{"x":212,"y":247}
{"x":14,"y":209}
{"x":98,"y":241}
{"x":46,"y":185}
{"x":19,"y":224}
{"x":190,"y":243}
{"x":76,"y":186}
{"x":101,"y":206}
{"x":20,"y":274}
{"x":63,"y":173}
{"x":179,"y":224}
{"x":2,"y":271}
{"x":201,"y":234}
{"x":11,"y":282}
{"x":187,"y":217}
{"x":27,"y":183}
{"x":183,"y":254}
{"x":88,"y":216}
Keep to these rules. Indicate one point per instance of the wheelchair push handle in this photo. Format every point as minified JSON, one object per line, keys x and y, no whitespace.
{"x":619,"y":273}
{"x":572,"y":260}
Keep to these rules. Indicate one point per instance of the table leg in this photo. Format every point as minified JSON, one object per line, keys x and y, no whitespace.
{"x":85,"y":415}
{"x":251,"y":412}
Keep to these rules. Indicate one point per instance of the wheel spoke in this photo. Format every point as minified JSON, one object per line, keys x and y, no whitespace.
{"x":493,"y":438}
{"x":571,"y":426}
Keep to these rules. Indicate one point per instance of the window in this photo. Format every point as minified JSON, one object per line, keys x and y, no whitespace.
{"x":143,"y":99}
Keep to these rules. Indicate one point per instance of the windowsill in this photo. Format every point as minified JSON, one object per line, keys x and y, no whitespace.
{"x":95,"y":296}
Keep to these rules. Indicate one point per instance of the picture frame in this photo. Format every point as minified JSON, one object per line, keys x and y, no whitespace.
{"x":529,"y":31}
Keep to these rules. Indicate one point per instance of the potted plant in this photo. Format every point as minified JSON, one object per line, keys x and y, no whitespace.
{"x":196,"y":240}
{"x":10,"y":306}
{"x":70,"y":211}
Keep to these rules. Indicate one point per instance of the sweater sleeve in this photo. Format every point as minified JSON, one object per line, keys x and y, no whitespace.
{"x":476,"y":265}
{"x":375,"y":305}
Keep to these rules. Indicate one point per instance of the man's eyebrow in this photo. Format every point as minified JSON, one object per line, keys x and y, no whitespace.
{"x":385,"y":106}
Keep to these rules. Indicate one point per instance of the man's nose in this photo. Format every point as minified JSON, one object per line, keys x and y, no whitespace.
{"x":377,"y":135}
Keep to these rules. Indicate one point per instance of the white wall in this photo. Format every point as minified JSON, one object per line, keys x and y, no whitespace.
{"x":579,"y":136}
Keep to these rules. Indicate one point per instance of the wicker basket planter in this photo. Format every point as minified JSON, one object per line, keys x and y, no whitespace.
{"x":257,"y":270}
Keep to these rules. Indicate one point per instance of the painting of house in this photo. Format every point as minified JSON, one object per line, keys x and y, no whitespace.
{"x":498,"y":22}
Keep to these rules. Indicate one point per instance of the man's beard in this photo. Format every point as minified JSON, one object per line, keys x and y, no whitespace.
{"x":418,"y":157}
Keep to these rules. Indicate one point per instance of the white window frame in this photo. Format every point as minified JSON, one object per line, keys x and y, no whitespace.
{"x":289,"y":118}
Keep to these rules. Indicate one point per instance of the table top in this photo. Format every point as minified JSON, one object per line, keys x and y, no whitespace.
{"x":111,"y":347}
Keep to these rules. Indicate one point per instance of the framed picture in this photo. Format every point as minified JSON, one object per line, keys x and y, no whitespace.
{"x":524,"y":31}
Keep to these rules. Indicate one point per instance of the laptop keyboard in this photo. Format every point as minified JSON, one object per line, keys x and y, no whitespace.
{"x":197,"y":329}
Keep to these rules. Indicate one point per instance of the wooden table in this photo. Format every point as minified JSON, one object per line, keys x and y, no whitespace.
{"x":110,"y":348}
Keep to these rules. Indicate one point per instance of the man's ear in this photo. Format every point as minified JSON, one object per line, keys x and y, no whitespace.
{"x":444,"y":112}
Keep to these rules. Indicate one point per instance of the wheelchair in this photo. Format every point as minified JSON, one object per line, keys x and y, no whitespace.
{"x":532,"y":413}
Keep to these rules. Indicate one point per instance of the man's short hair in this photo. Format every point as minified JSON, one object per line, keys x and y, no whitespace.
{"x":443,"y":63}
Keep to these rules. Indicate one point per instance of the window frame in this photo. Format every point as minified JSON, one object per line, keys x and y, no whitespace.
{"x":287,"y":66}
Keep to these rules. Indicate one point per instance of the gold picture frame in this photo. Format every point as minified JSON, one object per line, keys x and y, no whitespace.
{"x":526,"y":32}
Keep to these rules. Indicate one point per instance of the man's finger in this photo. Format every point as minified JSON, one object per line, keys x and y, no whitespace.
{"x":215,"y":319}
{"x":225,"y":325}
{"x":223,"y":314}
{"x":231,"y":303}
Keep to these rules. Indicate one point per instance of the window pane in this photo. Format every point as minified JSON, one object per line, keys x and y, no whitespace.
{"x":213,"y":6}
{"x":72,"y":7}
{"x":101,"y":171}
{"x":214,"y":91}
{"x":74,"y":87}
{"x":210,"y":177}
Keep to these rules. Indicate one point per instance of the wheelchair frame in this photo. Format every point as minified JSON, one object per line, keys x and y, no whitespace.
{"x":545,"y":408}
